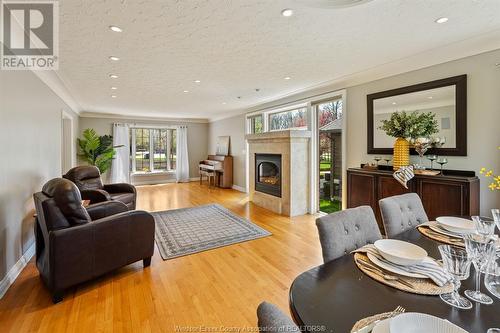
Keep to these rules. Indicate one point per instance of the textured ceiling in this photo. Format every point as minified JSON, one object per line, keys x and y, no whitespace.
{"x":237,"y":46}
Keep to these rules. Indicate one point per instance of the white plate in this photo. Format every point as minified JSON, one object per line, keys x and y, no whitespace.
{"x":456,"y":224}
{"x":437,"y":228}
{"x":399,"y":252}
{"x":413,"y":322}
{"x":383,"y":327}
{"x":396,"y":270}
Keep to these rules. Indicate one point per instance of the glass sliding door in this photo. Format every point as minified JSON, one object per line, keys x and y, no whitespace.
{"x":330,"y":129}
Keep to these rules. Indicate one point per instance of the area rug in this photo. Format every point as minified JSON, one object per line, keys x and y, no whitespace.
{"x":190,"y":230}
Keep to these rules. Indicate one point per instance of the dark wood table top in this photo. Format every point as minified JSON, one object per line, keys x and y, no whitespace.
{"x":337,"y":294}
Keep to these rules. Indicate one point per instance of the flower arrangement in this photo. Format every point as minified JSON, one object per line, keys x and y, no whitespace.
{"x":410,"y":125}
{"x":495,"y":179}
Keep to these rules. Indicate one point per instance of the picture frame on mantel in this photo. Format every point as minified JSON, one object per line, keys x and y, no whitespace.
{"x":448,"y":97}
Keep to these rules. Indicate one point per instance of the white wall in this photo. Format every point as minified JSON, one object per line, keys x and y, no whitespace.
{"x":483,"y":116}
{"x":197,"y":142}
{"x":30,"y":153}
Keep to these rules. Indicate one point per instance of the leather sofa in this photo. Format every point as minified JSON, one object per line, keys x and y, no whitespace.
{"x":75,"y":244}
{"x":88,"y":179}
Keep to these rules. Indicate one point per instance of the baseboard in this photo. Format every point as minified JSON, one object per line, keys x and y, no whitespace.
{"x":14,"y":272}
{"x":239,"y":188}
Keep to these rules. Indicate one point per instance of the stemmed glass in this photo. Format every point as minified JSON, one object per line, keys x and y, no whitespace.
{"x":484,"y":225}
{"x":480,"y":250}
{"x":442,"y":161}
{"x":377,"y":159}
{"x":387,"y":160}
{"x":496,"y":217}
{"x":492,"y":276}
{"x":457,"y":263}
{"x":421,"y":145}
{"x":432,"y":158}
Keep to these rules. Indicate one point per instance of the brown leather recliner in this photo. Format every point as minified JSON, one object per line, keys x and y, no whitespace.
{"x":88,"y":179}
{"x":74,"y":244}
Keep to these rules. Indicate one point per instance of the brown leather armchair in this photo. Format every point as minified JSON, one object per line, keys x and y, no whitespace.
{"x":74,"y":244}
{"x":88,"y":179}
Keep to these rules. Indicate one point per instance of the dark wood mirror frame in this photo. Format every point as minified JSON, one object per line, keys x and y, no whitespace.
{"x":460,"y":83}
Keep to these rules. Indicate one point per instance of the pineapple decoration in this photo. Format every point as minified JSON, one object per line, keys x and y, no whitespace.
{"x":408,"y":126}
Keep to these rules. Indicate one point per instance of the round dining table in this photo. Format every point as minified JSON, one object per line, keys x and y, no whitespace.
{"x":333,"y":296}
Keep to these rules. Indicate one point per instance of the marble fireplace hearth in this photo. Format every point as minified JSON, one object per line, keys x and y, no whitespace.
{"x":290,"y":196}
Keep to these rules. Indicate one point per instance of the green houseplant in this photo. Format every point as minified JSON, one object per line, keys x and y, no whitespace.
{"x":96,"y":150}
{"x":403,"y":126}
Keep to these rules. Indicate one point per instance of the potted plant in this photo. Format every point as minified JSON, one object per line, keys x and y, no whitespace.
{"x":406,"y":126}
{"x":96,"y":150}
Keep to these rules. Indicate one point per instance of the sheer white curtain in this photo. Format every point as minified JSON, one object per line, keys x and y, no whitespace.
{"x":182,"y":167}
{"x":121,"y":163}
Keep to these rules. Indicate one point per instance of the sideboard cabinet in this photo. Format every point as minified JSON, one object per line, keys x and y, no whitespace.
{"x":441,"y":195}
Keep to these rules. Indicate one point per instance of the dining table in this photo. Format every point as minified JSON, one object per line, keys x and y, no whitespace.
{"x":332,"y":297}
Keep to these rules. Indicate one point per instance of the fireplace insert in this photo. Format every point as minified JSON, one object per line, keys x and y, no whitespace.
{"x":268,"y":174}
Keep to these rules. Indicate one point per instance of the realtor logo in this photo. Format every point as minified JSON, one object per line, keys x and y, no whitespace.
{"x":30,"y":31}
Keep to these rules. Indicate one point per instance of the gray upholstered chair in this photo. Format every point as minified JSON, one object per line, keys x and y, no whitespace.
{"x":402,"y":212}
{"x":272,"y":319}
{"x":347,"y":230}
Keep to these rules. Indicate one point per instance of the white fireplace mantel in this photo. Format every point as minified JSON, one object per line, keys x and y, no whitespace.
{"x":293,"y":145}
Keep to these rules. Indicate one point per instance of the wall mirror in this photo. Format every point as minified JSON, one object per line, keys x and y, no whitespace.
{"x":446,"y":98}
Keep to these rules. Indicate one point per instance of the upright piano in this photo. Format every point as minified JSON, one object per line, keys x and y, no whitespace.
{"x":223,"y":168}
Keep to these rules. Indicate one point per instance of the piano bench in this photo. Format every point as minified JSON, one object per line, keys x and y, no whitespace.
{"x":210,"y":177}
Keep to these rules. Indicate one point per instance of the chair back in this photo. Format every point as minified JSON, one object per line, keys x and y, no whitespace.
{"x":86,"y":177}
{"x":402,"y":212}
{"x":272,"y":319}
{"x":347,"y":230}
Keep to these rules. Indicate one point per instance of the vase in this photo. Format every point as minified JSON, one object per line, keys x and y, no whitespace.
{"x":401,"y":153}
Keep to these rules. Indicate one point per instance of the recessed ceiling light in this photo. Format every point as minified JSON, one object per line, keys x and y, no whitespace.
{"x":113,"y":76}
{"x":114,"y":88}
{"x":441,"y":20}
{"x":186,"y":91}
{"x":394,"y":103}
{"x":430,"y":97}
{"x":197,"y":81}
{"x":224,"y":103}
{"x":287,"y":78}
{"x":114,"y":58}
{"x":113,"y":96}
{"x":115,"y":28}
{"x":287,"y":12}
{"x":497,"y":64}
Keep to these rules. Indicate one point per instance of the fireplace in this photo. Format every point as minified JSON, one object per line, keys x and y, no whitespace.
{"x":268,"y":174}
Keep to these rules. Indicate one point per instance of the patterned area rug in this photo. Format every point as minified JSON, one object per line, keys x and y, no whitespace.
{"x":190,"y":230}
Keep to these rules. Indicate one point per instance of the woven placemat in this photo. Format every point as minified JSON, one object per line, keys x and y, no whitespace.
{"x":420,"y":286}
{"x":434,"y":235}
{"x":369,"y":320}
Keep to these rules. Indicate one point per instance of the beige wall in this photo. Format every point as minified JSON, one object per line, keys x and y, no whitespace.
{"x":235,"y":128}
{"x":30,"y":153}
{"x":482,"y":123}
{"x":197,"y":142}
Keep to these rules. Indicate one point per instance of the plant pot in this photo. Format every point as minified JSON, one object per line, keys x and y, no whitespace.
{"x":401,"y":153}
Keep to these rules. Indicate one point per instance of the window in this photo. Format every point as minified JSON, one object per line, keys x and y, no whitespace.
{"x":329,"y":111}
{"x":256,"y":125}
{"x":153,"y":149}
{"x":288,"y":119}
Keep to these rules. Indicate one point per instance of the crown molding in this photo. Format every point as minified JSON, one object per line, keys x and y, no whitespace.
{"x":89,"y":114}
{"x":54,"y":81}
{"x":454,"y":51}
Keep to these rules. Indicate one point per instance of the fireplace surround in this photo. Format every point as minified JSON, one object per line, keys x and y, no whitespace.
{"x":268,"y":174}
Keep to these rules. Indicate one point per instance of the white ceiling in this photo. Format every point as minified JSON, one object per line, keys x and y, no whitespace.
{"x":237,"y":46}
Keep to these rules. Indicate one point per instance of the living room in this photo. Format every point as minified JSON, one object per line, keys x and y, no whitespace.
{"x":233,"y":166}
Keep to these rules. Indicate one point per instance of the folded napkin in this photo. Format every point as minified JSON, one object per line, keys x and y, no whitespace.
{"x":432,"y":270}
{"x":403,"y":175}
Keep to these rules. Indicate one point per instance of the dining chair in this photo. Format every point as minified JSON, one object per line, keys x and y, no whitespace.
{"x":272,"y":319}
{"x":402,"y":212}
{"x":347,"y":230}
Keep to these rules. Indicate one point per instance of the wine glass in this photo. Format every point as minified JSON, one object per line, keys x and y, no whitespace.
{"x":421,"y":145}
{"x":432,"y":158}
{"x":457,"y":263}
{"x":484,"y":226}
{"x":387,"y":160}
{"x":492,"y":276}
{"x":480,"y":250}
{"x":377,"y":159}
{"x":496,"y":217}
{"x":442,"y":161}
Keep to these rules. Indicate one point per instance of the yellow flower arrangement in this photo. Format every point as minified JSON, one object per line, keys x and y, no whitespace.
{"x":495,"y":179}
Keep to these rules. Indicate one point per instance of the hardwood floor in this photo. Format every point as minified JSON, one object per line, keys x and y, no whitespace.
{"x":220,"y":287}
